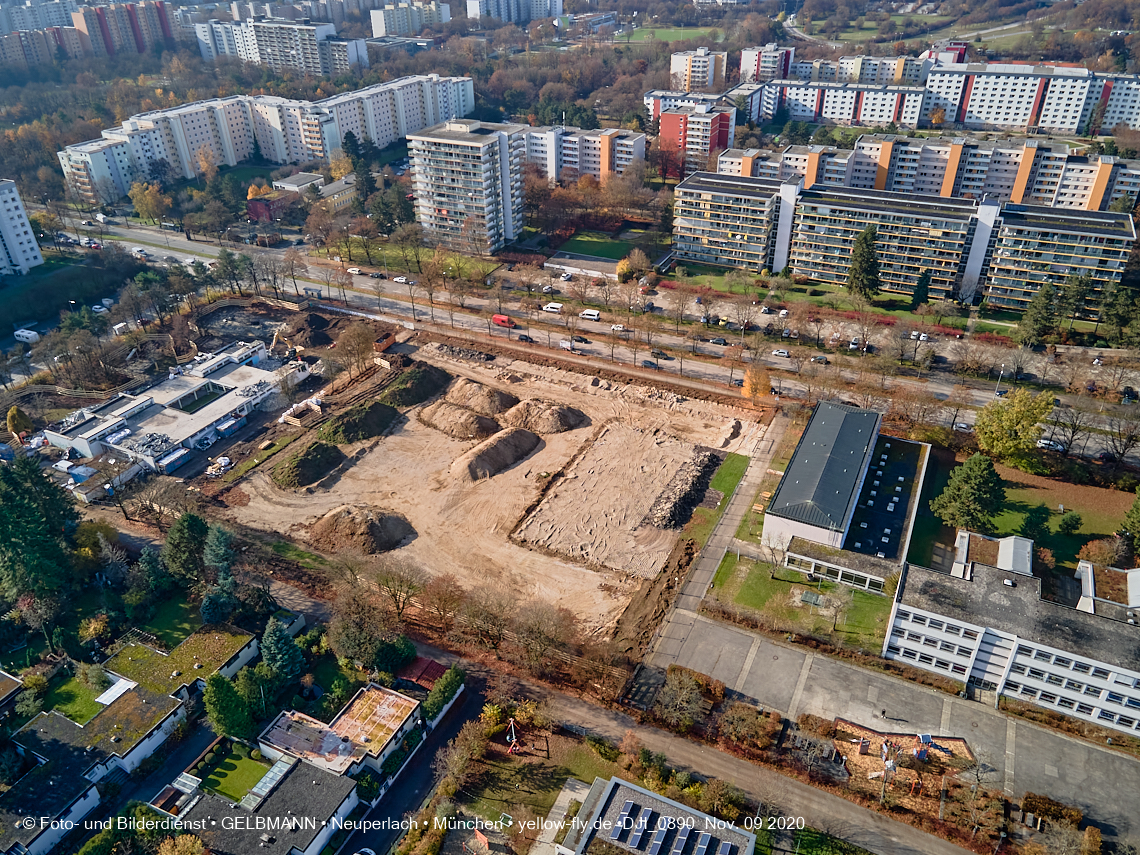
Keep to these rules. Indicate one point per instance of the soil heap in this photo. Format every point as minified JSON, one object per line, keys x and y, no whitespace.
{"x":494,"y":455}
{"x":539,"y":416}
{"x":457,"y":422}
{"x":479,"y":398}
{"x":360,"y":528}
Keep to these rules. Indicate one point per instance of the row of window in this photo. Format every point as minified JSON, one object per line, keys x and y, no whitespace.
{"x":935,"y":624}
{"x":927,"y":659}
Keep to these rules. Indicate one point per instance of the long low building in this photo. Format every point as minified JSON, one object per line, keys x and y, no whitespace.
{"x":224,"y":130}
{"x":965,"y":244}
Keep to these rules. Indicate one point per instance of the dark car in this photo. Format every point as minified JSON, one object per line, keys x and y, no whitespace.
{"x":736,"y":381}
{"x":526,"y":338}
{"x":719,"y":341}
{"x":1105,"y":457}
{"x":579,"y":339}
{"x":376,"y":275}
{"x":659,"y":354}
{"x":822,"y":360}
{"x":1001,"y":393}
{"x":649,"y":363}
{"x":510,"y":267}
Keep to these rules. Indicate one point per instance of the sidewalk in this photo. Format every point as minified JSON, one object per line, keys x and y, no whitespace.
{"x":572,"y":790}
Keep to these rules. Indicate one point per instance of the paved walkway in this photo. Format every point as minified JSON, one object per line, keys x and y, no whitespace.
{"x":572,"y":790}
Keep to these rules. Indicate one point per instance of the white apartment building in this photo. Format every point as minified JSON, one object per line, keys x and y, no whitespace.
{"x":514,"y":11}
{"x":1025,"y":97}
{"x":21,"y":252}
{"x":601,"y":153}
{"x":697,"y":69}
{"x":845,"y":103}
{"x":770,"y":62}
{"x":906,"y":70}
{"x":56,"y":13}
{"x":287,"y":131}
{"x":1031,"y":172}
{"x":282,"y":45}
{"x":658,"y":101}
{"x":403,"y":19}
{"x":467,"y":179}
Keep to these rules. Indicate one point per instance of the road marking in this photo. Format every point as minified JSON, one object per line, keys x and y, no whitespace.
{"x":748,"y":660}
{"x":873,"y":694}
{"x":1010,"y":745}
{"x":947,"y":708}
{"x":798,"y":694}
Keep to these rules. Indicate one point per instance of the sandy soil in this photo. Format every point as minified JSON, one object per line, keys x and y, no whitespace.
{"x":594,"y":512}
{"x":464,"y":529}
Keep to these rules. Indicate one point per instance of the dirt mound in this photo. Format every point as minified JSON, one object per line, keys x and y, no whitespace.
{"x":458,"y":422}
{"x":479,"y":398}
{"x":360,"y":528}
{"x":307,"y":466}
{"x":542,"y":416}
{"x":363,"y":421}
{"x":496,"y":454}
{"x":308,"y":330}
{"x":415,"y":386}
{"x":675,"y":504}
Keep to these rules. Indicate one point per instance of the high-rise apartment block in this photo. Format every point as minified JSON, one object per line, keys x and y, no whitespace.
{"x":697,"y":69}
{"x":403,"y":19}
{"x":1031,"y":172}
{"x":287,"y":131}
{"x":21,"y":252}
{"x":1009,"y":249}
{"x":467,"y":178}
{"x":659,"y":101}
{"x":600,"y":153}
{"x":770,"y":62}
{"x":697,"y":133}
{"x":514,"y":11}
{"x":124,"y":27}
{"x":36,"y":16}
{"x":907,"y":70}
{"x":282,"y":45}
{"x":844,"y":103}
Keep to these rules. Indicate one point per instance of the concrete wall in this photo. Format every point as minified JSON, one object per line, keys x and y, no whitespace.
{"x":779,"y":531}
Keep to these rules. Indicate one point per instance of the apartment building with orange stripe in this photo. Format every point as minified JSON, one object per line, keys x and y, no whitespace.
{"x":1032,"y":172}
{"x":601,"y":152}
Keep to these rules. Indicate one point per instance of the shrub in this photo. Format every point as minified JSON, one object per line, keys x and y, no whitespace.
{"x":36,"y":683}
{"x":445,"y":688}
{"x":1127,"y":483}
{"x":1070,"y":523}
{"x":241,"y":749}
{"x":255,"y":754}
{"x":816,"y":725}
{"x":1052,"y":809}
{"x":603,"y":748}
{"x":815,"y":292}
{"x":211,"y":757}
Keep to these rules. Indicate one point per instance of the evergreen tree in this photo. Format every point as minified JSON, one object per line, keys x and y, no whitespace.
{"x":150,"y":566}
{"x":36,"y":520}
{"x":185,"y":543}
{"x":1072,"y":300}
{"x":218,"y":552}
{"x":863,"y":275}
{"x":215,"y":607}
{"x":256,"y":156}
{"x":973,"y":497}
{"x":227,"y":711}
{"x":1131,"y":522}
{"x":1035,"y":526}
{"x":350,"y":145}
{"x":921,"y":293}
{"x":280,"y":652}
{"x":1040,"y":318}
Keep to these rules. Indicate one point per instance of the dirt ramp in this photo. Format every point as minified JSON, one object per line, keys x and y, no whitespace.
{"x":479,"y":398}
{"x":457,"y":421}
{"x":539,"y":416}
{"x":360,"y":528}
{"x":496,"y":454}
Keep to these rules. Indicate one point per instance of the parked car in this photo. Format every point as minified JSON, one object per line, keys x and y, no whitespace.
{"x":401,"y":279}
{"x":822,"y":360}
{"x":649,"y":363}
{"x":736,"y":381}
{"x":355,"y":271}
{"x":617,"y":328}
{"x":566,"y":277}
{"x":526,"y":338}
{"x":659,"y":354}
{"x":764,"y":310}
{"x":550,"y":289}
{"x":783,"y":313}
{"x":100,"y":310}
{"x":579,"y":339}
{"x":914,"y":335}
{"x":924,"y":337}
{"x":719,"y":341}
{"x":169,"y":259}
{"x":375,"y":275}
{"x":1050,"y":445}
{"x":962,"y":427}
{"x":783,"y":353}
{"x":1001,"y":393}
{"x":854,"y":345}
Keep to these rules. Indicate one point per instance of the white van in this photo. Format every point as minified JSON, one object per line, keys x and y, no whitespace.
{"x":590,"y":315}
{"x":566,"y":344}
{"x":27,"y":336}
{"x":553,"y":308}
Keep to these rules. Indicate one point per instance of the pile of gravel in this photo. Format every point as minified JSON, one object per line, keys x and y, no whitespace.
{"x":464,"y":353}
{"x":675,"y":504}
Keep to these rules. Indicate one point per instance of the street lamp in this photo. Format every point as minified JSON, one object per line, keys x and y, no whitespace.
{"x":1000,"y":373}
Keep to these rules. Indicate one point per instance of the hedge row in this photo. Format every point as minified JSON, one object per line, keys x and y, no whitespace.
{"x":445,"y":688}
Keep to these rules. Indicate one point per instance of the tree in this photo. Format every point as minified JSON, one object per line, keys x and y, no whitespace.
{"x":18,"y":421}
{"x":185,"y":544}
{"x":757,"y":381}
{"x":280,"y":652}
{"x":1076,"y":292}
{"x":218,"y":552}
{"x":443,"y":597}
{"x":294,"y":266}
{"x":679,"y":700}
{"x":1121,"y":435}
{"x":1071,"y":423}
{"x":399,"y":580}
{"x":1011,"y":425}
{"x":1070,"y":523}
{"x":719,"y":797}
{"x":357,"y":626}
{"x":183,"y":844}
{"x":207,"y":165}
{"x":355,"y":347}
{"x":1035,"y":526}
{"x":1040,"y":317}
{"x":973,"y":497}
{"x":1131,"y":523}
{"x":488,"y":611}
{"x":863,"y":275}
{"x":227,"y":711}
{"x":921,"y":293}
{"x":540,"y":627}
{"x":36,"y":518}
{"x":150,"y":203}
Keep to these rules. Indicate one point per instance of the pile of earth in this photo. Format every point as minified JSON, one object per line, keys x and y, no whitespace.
{"x":464,"y":353}
{"x":307,"y":466}
{"x":457,"y":421}
{"x":360,"y":528}
{"x":539,"y":416}
{"x":492,"y":456}
{"x":415,"y":386}
{"x":363,"y":421}
{"x":479,"y":398}
{"x":684,"y":492}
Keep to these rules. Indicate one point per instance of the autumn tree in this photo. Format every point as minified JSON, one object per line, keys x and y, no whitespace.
{"x":757,"y":381}
{"x":1011,"y":425}
{"x":207,"y":164}
{"x":149,"y":200}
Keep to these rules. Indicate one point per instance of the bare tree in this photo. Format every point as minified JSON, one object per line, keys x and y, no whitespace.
{"x":744,"y":313}
{"x":399,"y":580}
{"x":679,"y":701}
{"x":541,"y":627}
{"x":1071,"y":423}
{"x":959,"y":399}
{"x":294,"y":266}
{"x":443,"y":598}
{"x":1121,"y":435}
{"x":488,"y":612}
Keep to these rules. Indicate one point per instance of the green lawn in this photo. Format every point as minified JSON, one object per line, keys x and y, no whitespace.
{"x":326,"y":669}
{"x":174,"y":620}
{"x":502,"y":782}
{"x":701,"y":524}
{"x":234,"y":776}
{"x":598,"y":245}
{"x":725,"y":570}
{"x":870,"y":30}
{"x":295,"y":553}
{"x":257,"y":459}
{"x":72,"y":699}
{"x":662,"y":34}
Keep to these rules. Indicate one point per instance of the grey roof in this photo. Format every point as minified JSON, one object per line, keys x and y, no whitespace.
{"x":985,"y":600}
{"x":1107,"y":223}
{"x":305,"y":792}
{"x":820,"y":484}
{"x":731,"y":185}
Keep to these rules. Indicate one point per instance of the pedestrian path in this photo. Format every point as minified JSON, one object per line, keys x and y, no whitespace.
{"x":572,"y":791}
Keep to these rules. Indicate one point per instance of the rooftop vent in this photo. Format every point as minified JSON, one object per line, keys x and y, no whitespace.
{"x":1009,"y":583}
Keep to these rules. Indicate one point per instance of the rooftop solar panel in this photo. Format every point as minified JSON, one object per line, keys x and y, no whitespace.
{"x":659,"y":836}
{"x":703,"y":844}
{"x":619,"y":825}
{"x":680,"y":840}
{"x":725,"y":848}
{"x":639,"y":829}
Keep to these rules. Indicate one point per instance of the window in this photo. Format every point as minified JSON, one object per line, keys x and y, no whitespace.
{"x":1062,"y":661}
{"x":1085,"y":709}
{"x":1066,"y":703}
{"x":1017,"y":669}
{"x":1093,"y":691}
{"x":1048,"y":697}
{"x":1100,"y":673}
{"x":1081,"y":667}
{"x":1036,"y":674}
{"x":1115,"y":698}
{"x":969,"y":633}
{"x":1042,"y":656}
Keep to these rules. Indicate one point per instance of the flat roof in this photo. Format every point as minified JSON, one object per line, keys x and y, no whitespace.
{"x":1061,"y":219}
{"x":882,"y":515}
{"x":986,"y":600}
{"x":365,"y":726}
{"x":733,"y":185}
{"x":468,"y":131}
{"x":819,"y":485}
{"x":200,"y":655}
{"x":906,"y":204}
{"x":612,"y":810}
{"x":305,"y":792}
